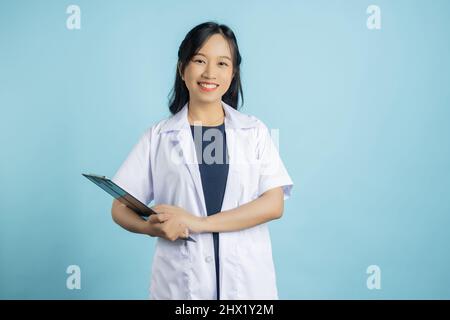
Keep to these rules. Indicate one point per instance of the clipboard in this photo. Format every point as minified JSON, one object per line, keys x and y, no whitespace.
{"x":123,"y":196}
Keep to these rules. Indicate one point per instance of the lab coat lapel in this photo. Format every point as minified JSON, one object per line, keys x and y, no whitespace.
{"x":189,"y":158}
{"x":231,"y":189}
{"x":235,"y":122}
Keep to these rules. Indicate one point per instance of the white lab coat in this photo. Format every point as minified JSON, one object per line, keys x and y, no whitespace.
{"x":163,"y":167}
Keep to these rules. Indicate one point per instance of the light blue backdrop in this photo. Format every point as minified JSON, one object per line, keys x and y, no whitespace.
{"x":364,"y":132}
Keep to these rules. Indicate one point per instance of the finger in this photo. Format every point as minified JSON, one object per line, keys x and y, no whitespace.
{"x":155,"y":208}
{"x":159,"y":208}
{"x":184,"y":233}
{"x":160,"y":218}
{"x":163,"y":217}
{"x":154,"y":218}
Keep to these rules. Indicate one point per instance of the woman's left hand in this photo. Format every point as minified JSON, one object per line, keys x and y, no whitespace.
{"x":194,"y":223}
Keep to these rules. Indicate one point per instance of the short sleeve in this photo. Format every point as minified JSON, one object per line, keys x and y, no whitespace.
{"x":135,"y":174}
{"x":272,"y":170}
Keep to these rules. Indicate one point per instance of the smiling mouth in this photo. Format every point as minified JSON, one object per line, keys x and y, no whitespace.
{"x":208,"y":85}
{"x":205,"y":86}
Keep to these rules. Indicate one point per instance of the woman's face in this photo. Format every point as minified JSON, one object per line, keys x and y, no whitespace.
{"x":209,"y":73}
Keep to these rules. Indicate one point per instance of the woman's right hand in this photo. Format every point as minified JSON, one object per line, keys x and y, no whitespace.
{"x":160,"y":225}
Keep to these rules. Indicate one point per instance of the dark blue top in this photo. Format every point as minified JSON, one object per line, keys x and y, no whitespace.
{"x":212,"y":156}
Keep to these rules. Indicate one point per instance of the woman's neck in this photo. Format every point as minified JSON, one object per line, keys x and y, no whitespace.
{"x":211,"y":114}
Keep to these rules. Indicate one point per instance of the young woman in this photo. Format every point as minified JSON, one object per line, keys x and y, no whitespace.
{"x":214,"y":174}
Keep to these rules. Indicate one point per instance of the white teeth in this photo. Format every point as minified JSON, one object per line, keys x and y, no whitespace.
{"x":209,"y":86}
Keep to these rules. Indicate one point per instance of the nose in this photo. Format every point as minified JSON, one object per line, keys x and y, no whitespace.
{"x":209,"y":72}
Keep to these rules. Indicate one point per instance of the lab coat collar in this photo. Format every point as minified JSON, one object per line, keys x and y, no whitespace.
{"x":233,"y":119}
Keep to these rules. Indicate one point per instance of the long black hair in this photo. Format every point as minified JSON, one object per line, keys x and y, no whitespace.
{"x":191,"y":44}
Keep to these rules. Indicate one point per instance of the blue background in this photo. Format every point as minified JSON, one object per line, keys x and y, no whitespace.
{"x":364,"y":127}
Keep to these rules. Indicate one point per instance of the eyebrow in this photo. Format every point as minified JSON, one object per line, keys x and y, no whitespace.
{"x":201,"y":54}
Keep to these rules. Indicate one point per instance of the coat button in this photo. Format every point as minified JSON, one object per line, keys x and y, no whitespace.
{"x":208,"y":259}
